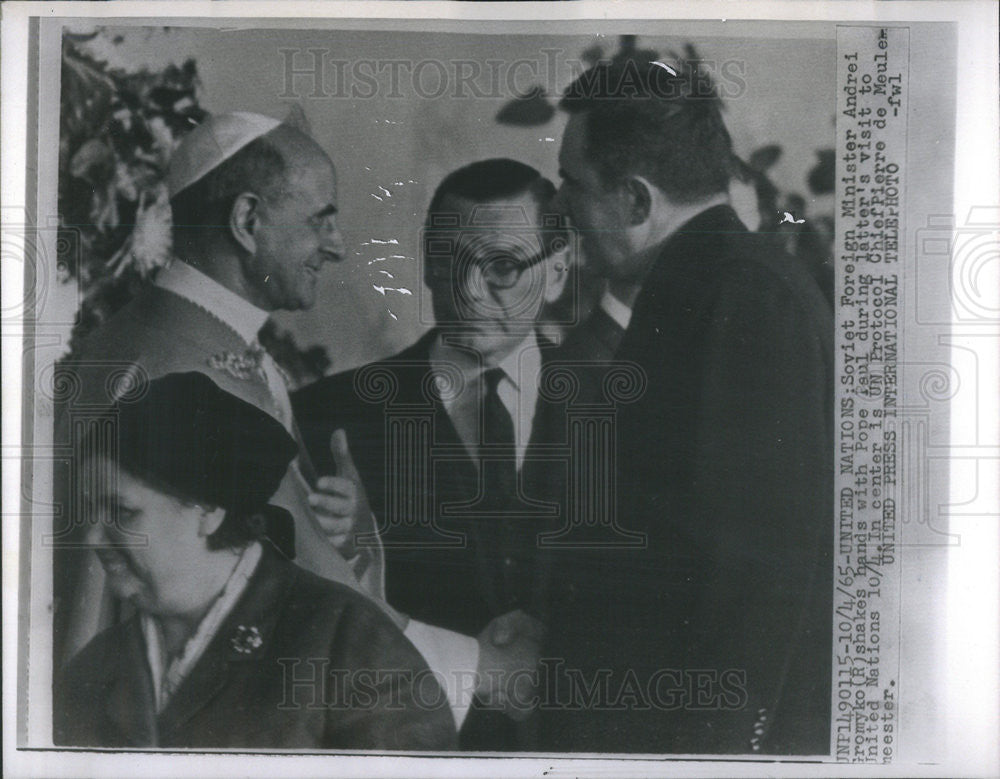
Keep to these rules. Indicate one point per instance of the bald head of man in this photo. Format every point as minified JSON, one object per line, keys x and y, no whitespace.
{"x":262,"y":222}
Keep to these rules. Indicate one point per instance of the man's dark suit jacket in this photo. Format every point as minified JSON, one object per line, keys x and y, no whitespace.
{"x":725,"y":464}
{"x":330,"y":672}
{"x":595,"y":340}
{"x":446,"y":563}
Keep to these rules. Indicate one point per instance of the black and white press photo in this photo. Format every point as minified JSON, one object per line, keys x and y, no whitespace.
{"x":500,"y":382}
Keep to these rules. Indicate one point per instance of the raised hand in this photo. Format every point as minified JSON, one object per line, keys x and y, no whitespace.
{"x":340,"y":502}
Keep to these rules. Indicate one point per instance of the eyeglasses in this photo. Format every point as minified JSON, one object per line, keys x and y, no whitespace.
{"x":500,"y":267}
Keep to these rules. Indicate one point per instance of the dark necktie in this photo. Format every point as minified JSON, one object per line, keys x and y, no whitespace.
{"x":498,"y":467}
{"x":498,"y":450}
{"x":500,"y":536}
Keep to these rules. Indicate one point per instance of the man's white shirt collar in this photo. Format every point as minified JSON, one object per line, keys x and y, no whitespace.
{"x":518,"y":390}
{"x":615,"y":309}
{"x":222,"y":303}
{"x":523,"y":362}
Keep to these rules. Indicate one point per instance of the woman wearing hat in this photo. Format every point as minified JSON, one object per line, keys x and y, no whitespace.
{"x":231,"y":645}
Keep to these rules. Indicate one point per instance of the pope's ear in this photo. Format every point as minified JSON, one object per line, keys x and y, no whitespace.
{"x":639,"y":199}
{"x":244,"y":219}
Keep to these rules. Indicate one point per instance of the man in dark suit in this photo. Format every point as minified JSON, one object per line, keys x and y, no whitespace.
{"x":449,"y":435}
{"x":716,"y":631}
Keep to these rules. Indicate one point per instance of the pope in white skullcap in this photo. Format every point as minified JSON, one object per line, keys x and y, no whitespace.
{"x":213,"y":142}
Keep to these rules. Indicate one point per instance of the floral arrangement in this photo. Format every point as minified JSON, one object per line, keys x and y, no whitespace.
{"x":117,"y":131}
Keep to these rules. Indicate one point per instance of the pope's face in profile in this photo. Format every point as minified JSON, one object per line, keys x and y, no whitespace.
{"x":152,"y":545}
{"x":297,"y":233}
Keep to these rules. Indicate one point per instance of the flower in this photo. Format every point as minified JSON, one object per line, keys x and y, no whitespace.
{"x":125,"y":182}
{"x":148,"y":247}
{"x":151,"y":239}
{"x":163,"y":139}
{"x":93,"y":162}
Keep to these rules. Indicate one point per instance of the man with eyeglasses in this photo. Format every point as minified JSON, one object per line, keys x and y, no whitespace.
{"x":446,"y":435}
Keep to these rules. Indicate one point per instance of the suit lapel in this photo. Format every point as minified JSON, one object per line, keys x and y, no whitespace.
{"x":549,"y":415}
{"x":607,"y":332}
{"x":549,"y":429}
{"x":446,"y":437}
{"x":696,"y":249}
{"x":207,"y":679}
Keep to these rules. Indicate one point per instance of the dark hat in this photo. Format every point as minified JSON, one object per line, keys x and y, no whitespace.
{"x":205,"y":444}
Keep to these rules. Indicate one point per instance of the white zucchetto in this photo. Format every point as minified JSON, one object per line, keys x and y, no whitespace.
{"x":211,"y":143}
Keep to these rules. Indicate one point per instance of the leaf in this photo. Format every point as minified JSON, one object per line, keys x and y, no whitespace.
{"x":765,"y":157}
{"x":530,"y":110}
{"x":822,"y":177}
{"x":593,"y":54}
{"x":94,"y":161}
{"x":168,"y":96}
